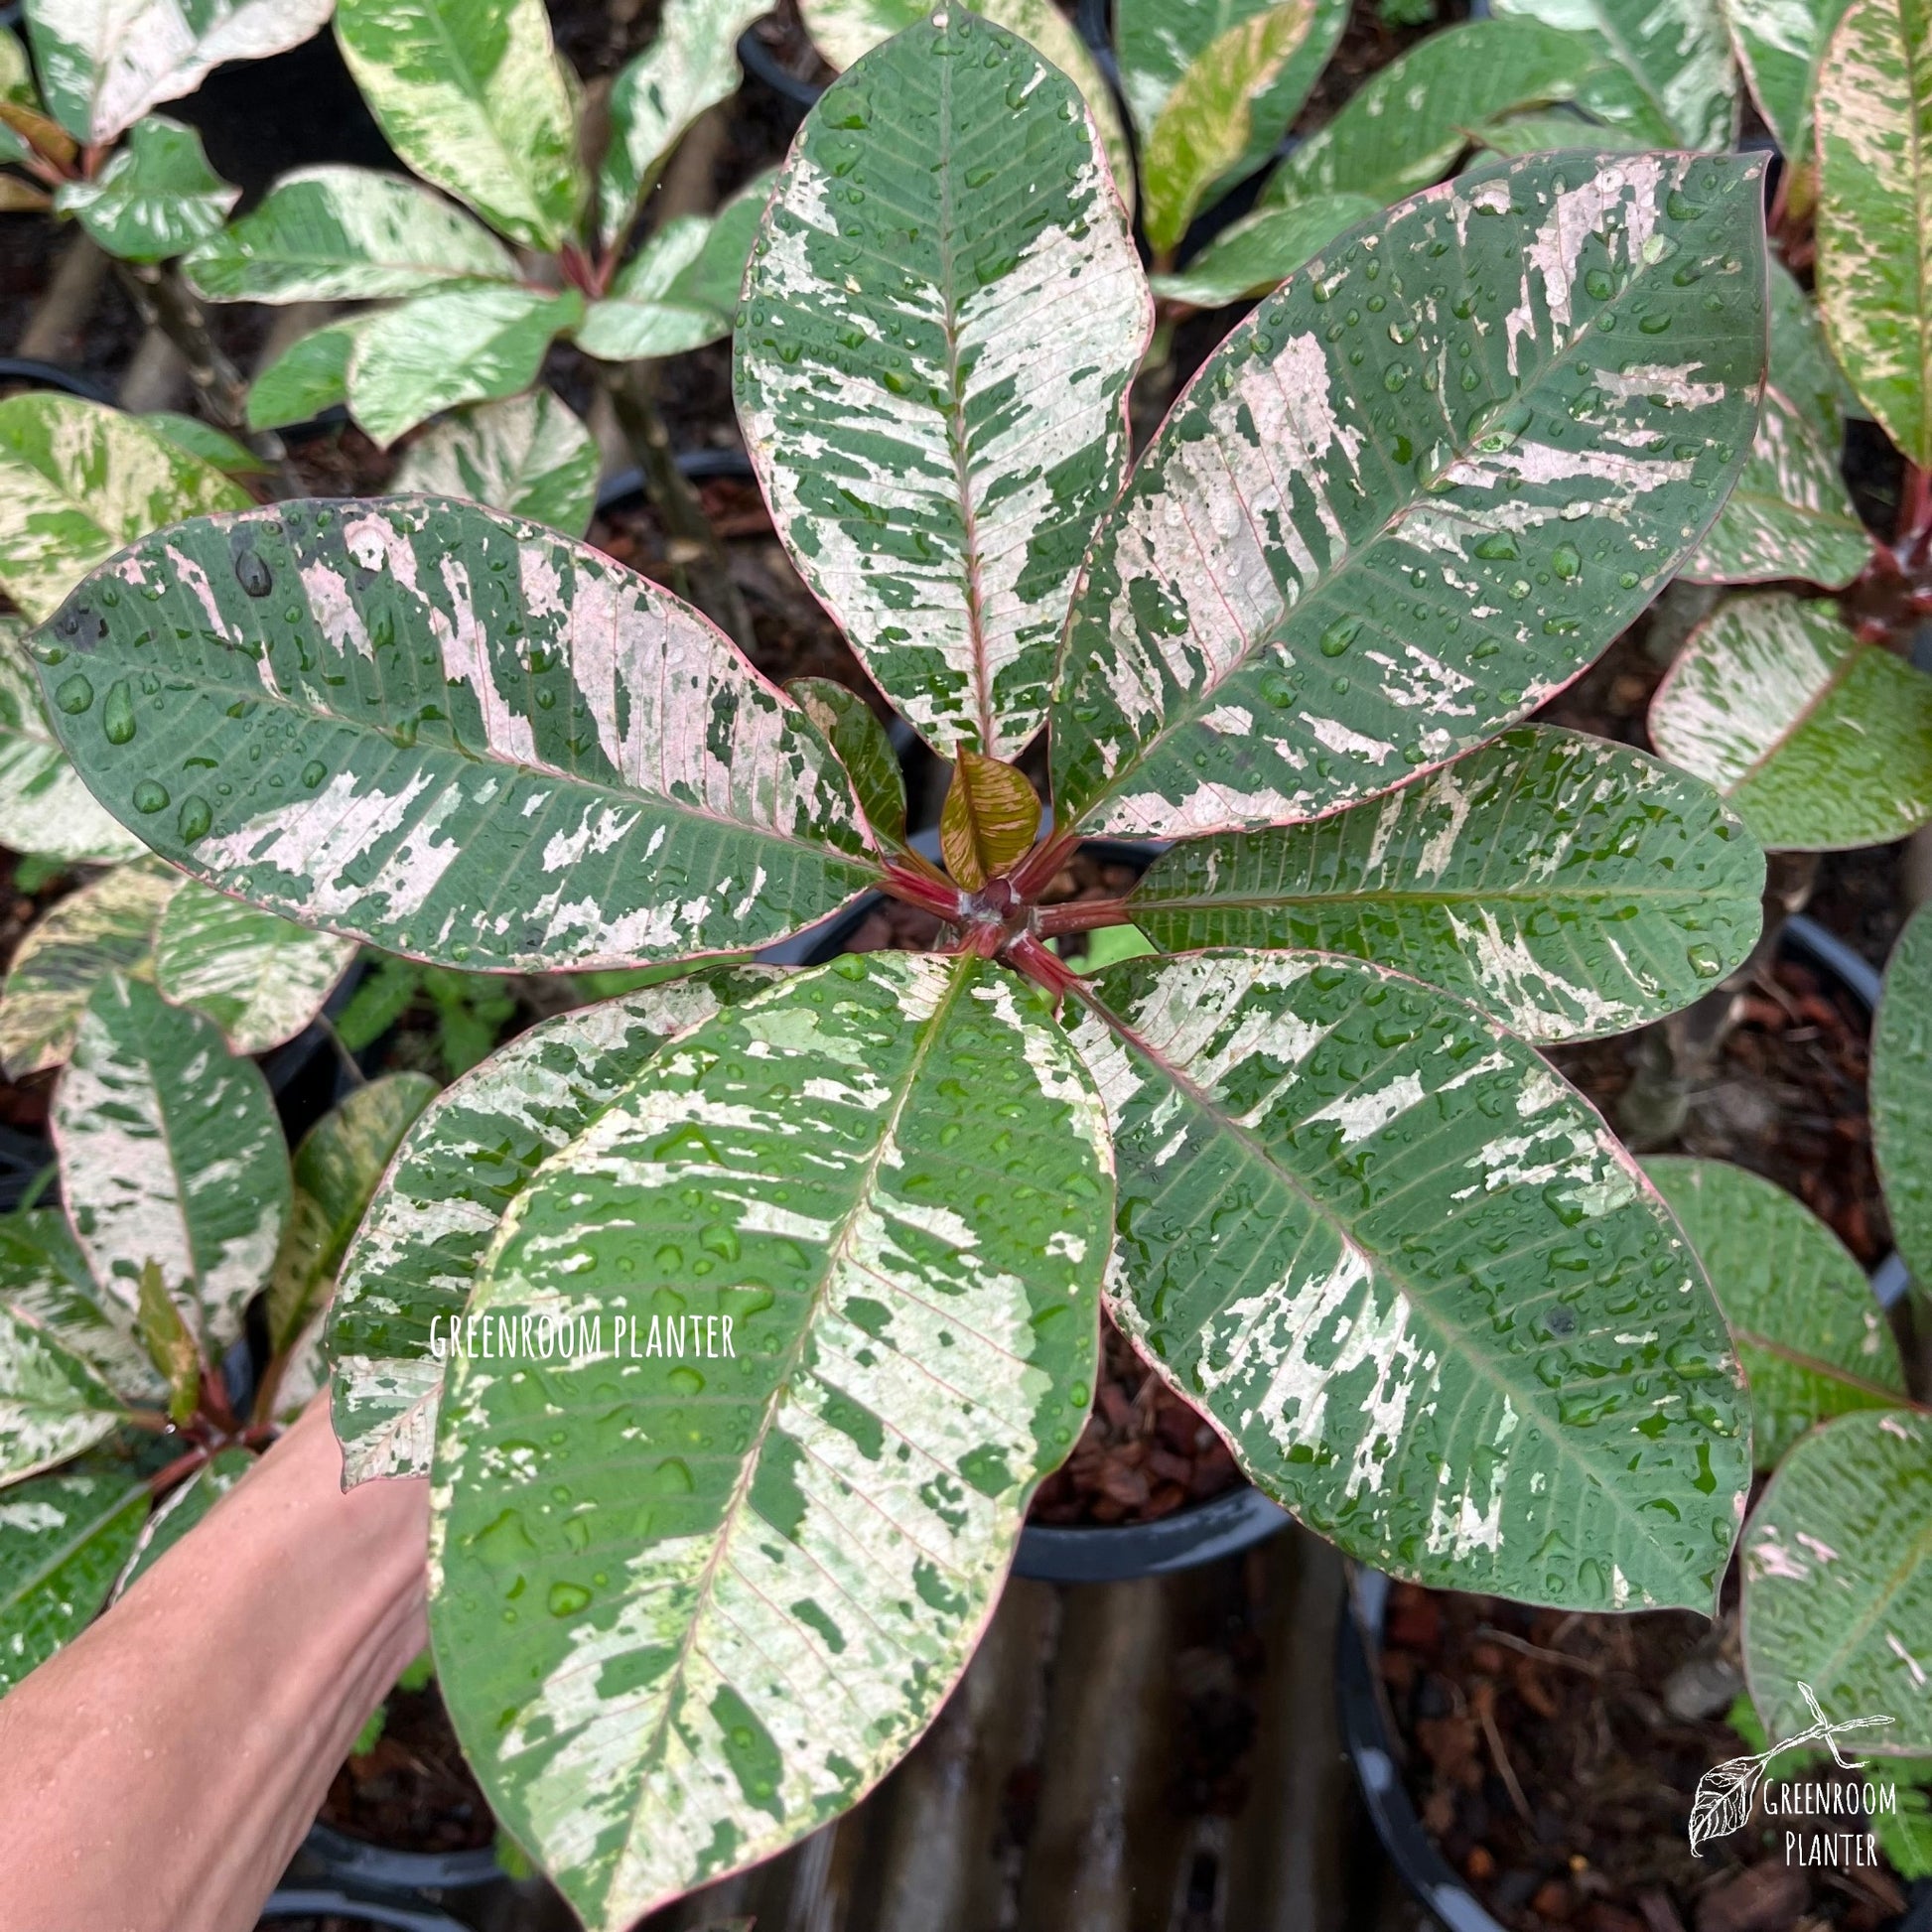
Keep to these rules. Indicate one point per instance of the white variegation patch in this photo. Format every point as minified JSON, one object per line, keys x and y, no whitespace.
{"x":528,"y":455}
{"x":52,"y":1405}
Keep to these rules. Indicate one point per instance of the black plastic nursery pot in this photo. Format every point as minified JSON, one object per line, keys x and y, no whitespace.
{"x":361,"y":1864}
{"x":1365,"y":1721}
{"x":351,"y":1911}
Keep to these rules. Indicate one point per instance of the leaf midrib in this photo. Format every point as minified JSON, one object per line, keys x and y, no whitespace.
{"x":36,"y":1579}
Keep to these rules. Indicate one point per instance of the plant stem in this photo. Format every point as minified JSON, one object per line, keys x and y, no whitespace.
{"x":1080,"y":915}
{"x":694,"y":549}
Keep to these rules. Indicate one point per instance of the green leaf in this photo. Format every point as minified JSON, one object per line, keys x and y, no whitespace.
{"x":169,"y":1153}
{"x":454,"y":347}
{"x":1415,"y":1283}
{"x":62,"y":1542}
{"x":1204,"y":125}
{"x":16,"y":89}
{"x":644,"y":795}
{"x":189,"y":1504}
{"x":1676,"y":54}
{"x":860,"y":742}
{"x":336,"y":1169}
{"x":105,"y":927}
{"x":530,"y":456}
{"x":989,"y":818}
{"x":104,"y":62}
{"x":1838,"y":1581}
{"x":1405,"y":125}
{"x":1780,"y":43}
{"x":1334,"y":566}
{"x":1901,"y":1093}
{"x":408,"y":1275}
{"x":845,"y":31}
{"x":78,"y":480}
{"x":345,"y":235}
{"x":44,"y":1276}
{"x":1904,"y":1834}
{"x":1812,"y":1340}
{"x":1875,"y":211}
{"x":157,"y":195}
{"x":1801,"y":359}
{"x":931,"y":382}
{"x":1817,"y":740}
{"x":259,"y":978}
{"x":1158,"y":42}
{"x":1567,"y":887}
{"x":170,"y":1344}
{"x":53,"y":1404}
{"x":1261,"y":250}
{"x":1554,"y":133}
{"x":44,"y":806}
{"x":308,"y":377}
{"x":750,"y":1606}
{"x":691,"y":66}
{"x":210,"y":445}
{"x":471,"y":95}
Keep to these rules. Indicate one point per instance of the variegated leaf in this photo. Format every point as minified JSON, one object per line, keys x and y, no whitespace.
{"x":1157,"y":41}
{"x":456,"y":735}
{"x":1404,"y":127}
{"x":44,"y":806}
{"x":988,"y":820}
{"x":157,"y":197}
{"x":186,"y":1507}
{"x":691,"y":66}
{"x":1676,"y":52}
{"x":169,"y":1153}
{"x":78,"y":480}
{"x":259,"y":978}
{"x":1818,"y":740}
{"x":17,"y":90}
{"x":1838,"y":1581}
{"x":105,"y":927}
{"x":1430,"y":433}
{"x":1901,"y":1093}
{"x":942,"y":315}
{"x":862,"y":746}
{"x":44,"y":1275}
{"x":471,"y":95}
{"x":1780,"y":44}
{"x":1569,"y":887}
{"x":1810,"y":1338}
{"x":408,"y":1275}
{"x":345,"y":235}
{"x":62,"y":1542}
{"x":453,"y":347}
{"x":53,"y":1404}
{"x":1261,"y":250}
{"x":336,"y":1169}
{"x":1202,"y":132}
{"x":1875,"y":211}
{"x":1415,"y":1281}
{"x":530,"y":456}
{"x":308,"y":377}
{"x":762,"y":1552}
{"x":845,"y":31}
{"x":104,"y":62}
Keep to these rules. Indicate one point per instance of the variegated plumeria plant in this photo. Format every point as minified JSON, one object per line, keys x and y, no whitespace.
{"x":736,"y":1320}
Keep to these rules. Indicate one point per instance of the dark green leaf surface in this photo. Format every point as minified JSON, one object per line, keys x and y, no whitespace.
{"x":62,"y":1542}
{"x":1901,"y":1092}
{"x":854,"y":732}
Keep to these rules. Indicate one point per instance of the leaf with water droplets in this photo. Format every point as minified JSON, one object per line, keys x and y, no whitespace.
{"x":1838,"y":1581}
{"x":943,"y":312}
{"x":859,"y":740}
{"x":745,"y":1564}
{"x":1780,"y":44}
{"x":1810,"y":1338}
{"x":1392,"y":513}
{"x":1415,"y":1282}
{"x":53,"y":1404}
{"x":1818,"y":742}
{"x":157,"y":197}
{"x":1261,"y":250}
{"x":989,"y":818}
{"x":62,"y":1542}
{"x":456,"y":734}
{"x":78,"y":480}
{"x":1569,"y":887}
{"x":530,"y":456}
{"x":407,"y":1276}
{"x":1901,"y":1093}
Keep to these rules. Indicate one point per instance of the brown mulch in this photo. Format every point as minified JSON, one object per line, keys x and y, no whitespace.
{"x":412,"y":1792}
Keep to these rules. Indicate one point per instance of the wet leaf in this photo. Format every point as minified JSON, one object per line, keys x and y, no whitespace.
{"x":857,"y":738}
{"x":1901,"y":1093}
{"x":471,"y":95}
{"x":989,"y":818}
{"x":1554,"y":133}
{"x":345,"y":235}
{"x":1261,"y":250}
{"x":53,"y":1404}
{"x":1811,"y":1338}
{"x":1567,"y":887}
{"x":408,"y":1275}
{"x":1817,"y":740}
{"x":961,"y":393}
{"x":157,"y":195}
{"x":530,"y":456}
{"x":1373,"y":529}
{"x":807,"y":1555}
{"x":62,"y":1542}
{"x":1780,"y":43}
{"x":1415,"y":1281}
{"x":456,"y":735}
{"x":1838,"y":1581}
